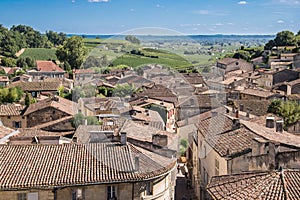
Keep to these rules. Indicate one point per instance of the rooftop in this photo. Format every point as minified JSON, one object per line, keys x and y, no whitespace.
{"x":48,"y":66}
{"x":271,"y":185}
{"x":36,"y":86}
{"x":11,"y":109}
{"x":49,"y":166}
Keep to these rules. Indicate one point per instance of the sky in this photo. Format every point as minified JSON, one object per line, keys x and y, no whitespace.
{"x":176,"y":16}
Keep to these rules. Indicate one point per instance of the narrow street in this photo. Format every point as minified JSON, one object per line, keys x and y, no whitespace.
{"x":182,"y":190}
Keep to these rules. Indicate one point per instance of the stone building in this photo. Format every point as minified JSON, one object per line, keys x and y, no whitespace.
{"x":76,"y":171}
{"x":49,"y":110}
{"x":11,"y":115}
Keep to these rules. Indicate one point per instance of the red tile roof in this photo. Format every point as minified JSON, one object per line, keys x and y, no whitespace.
{"x":4,"y":79}
{"x":11,"y":109}
{"x":47,"y":66}
{"x":49,"y":166}
{"x":257,"y":185}
{"x":36,"y":86}
{"x":59,"y":103}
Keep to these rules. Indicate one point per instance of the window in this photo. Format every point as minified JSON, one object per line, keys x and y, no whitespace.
{"x":22,"y":196}
{"x":111,"y":193}
{"x":17,"y":124}
{"x":216,"y":167}
{"x":149,"y":188}
{"x":77,"y":194}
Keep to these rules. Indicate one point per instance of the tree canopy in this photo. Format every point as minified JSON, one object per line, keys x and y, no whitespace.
{"x":283,"y":38}
{"x":132,"y":39}
{"x":72,"y":51}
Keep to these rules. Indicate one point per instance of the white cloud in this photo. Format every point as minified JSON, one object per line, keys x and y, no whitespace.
{"x":211,"y":12}
{"x":288,"y":2}
{"x":242,"y":2}
{"x":73,"y":1}
{"x":132,"y":10}
{"x":219,"y":24}
{"x":97,"y":1}
{"x":280,"y":21}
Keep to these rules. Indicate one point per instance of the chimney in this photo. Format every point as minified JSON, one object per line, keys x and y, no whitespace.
{"x":136,"y":163}
{"x":160,"y":140}
{"x":241,"y":107}
{"x":237,"y":114}
{"x":123,"y":138}
{"x":270,"y":122}
{"x":248,"y":113}
{"x":279,"y":126}
{"x":236,"y":124}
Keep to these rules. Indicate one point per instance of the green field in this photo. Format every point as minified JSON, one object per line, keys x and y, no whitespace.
{"x":40,"y":53}
{"x":164,"y":58}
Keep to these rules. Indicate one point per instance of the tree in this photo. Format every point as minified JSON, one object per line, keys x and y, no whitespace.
{"x":8,"y":62}
{"x":27,"y":62}
{"x":123,"y":90}
{"x":80,"y":119}
{"x":241,"y":54}
{"x":27,"y":99}
{"x":72,"y":51}
{"x":56,"y":38}
{"x":132,"y":39}
{"x":285,"y":38}
{"x":289,"y":111}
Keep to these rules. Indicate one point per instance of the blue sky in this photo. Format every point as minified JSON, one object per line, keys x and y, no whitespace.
{"x":184,"y":16}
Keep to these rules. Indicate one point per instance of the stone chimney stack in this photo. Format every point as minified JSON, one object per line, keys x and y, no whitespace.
{"x":160,"y":140}
{"x":123,"y":138}
{"x":279,"y":126}
{"x":270,"y":122}
{"x":236,"y":124}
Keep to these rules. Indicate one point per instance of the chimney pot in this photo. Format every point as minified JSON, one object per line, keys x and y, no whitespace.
{"x":123,"y":138}
{"x":279,"y":126}
{"x":270,"y":122}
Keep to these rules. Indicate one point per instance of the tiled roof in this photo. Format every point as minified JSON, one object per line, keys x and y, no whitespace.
{"x":47,"y":66}
{"x":4,"y":131}
{"x":231,"y":143}
{"x":32,"y":132}
{"x":193,"y":78}
{"x":83,"y":71}
{"x":257,"y":107}
{"x":159,"y":92}
{"x":36,"y":86}
{"x":258,"y":92}
{"x":11,"y":109}
{"x":272,"y":135}
{"x":48,"y":166}
{"x":227,"y":61}
{"x":271,"y":185}
{"x":59,"y":103}
{"x":215,"y":125}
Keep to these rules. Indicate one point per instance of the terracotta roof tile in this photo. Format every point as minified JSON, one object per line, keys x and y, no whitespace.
{"x":47,"y":66}
{"x":48,"y":166}
{"x":36,"y":86}
{"x":11,"y":109}
{"x":257,"y":185}
{"x":59,"y":103}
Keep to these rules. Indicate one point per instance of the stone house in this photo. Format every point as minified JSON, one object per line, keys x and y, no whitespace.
{"x":11,"y":115}
{"x":83,"y":74}
{"x":36,"y":89}
{"x":269,"y":79}
{"x":232,"y":64}
{"x":49,"y":110}
{"x":85,"y":171}
{"x":45,"y":69}
{"x":228,"y":145}
{"x":96,"y":106}
{"x":288,"y":88}
{"x":257,"y":94}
